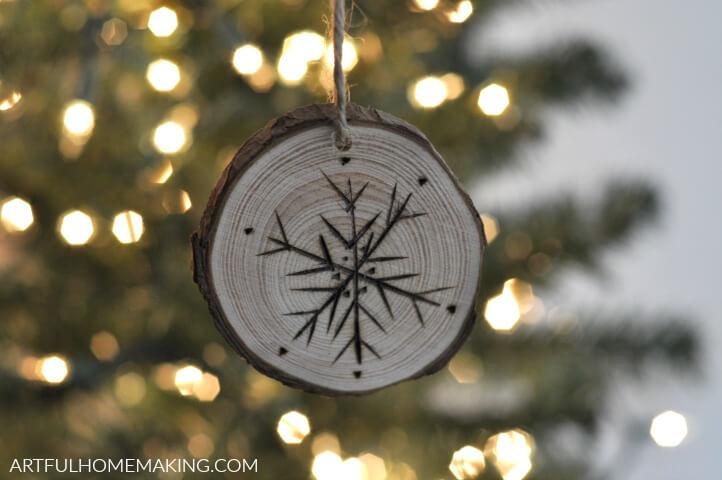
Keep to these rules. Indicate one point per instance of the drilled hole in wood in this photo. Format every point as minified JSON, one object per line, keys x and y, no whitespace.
{"x":451,"y":308}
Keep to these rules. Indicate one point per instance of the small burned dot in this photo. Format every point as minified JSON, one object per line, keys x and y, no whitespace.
{"x":344,"y":160}
{"x":362,"y":290}
{"x":282,"y":351}
{"x":357,"y":373}
{"x":347,"y":293}
{"x":345,"y":259}
{"x":248,"y":230}
{"x":451,"y":308}
{"x":336,"y":276}
{"x":422,"y":181}
{"x":371,"y":270}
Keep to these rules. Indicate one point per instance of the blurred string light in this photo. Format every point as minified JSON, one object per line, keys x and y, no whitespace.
{"x":454,"y":85}
{"x":291,"y":70}
{"x":128,"y":226}
{"x":247,"y":59}
{"x":162,"y":173}
{"x":293,"y":427}
{"x":428,"y":92}
{"x":327,"y":466}
{"x":350,"y":55}
{"x":129,"y":389}
{"x":16,"y":214}
{"x":78,"y":118}
{"x":169,"y":137}
{"x":491,"y":227}
{"x":426,"y":4}
{"x":511,"y":452}
{"x":515,"y":302}
{"x":325,"y":441}
{"x":10,"y":101}
{"x":52,"y":369}
{"x":374,"y":467}
{"x":299,"y":49}
{"x":668,"y":429}
{"x":162,"y":22}
{"x":114,"y":32}
{"x":190,"y":380}
{"x":76,"y":227}
{"x":176,"y":201}
{"x":104,"y":346}
{"x":461,"y":13}
{"x":465,"y":368}
{"x":493,"y":99}
{"x":467,"y":462}
{"x":163,"y":75}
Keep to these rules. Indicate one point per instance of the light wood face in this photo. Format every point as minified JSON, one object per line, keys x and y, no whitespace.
{"x":346,"y":271}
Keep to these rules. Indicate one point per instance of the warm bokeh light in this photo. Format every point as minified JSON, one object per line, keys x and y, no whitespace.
{"x":10,"y":101}
{"x":53,"y":369}
{"x":185,"y":201}
{"x":374,"y":467}
{"x":162,"y":22}
{"x":327,"y":466}
{"x":293,"y":427}
{"x":291,"y":70}
{"x":353,"y":469}
{"x":454,"y":85}
{"x":350,"y":56}
{"x":129,"y":389}
{"x":78,"y":118}
{"x":200,"y":445}
{"x":114,"y":32}
{"x":668,"y":429}
{"x":493,"y":99}
{"x":208,"y":388}
{"x":502,"y":312}
{"x":511,"y":453}
{"x":491,"y":227}
{"x":76,"y":227}
{"x":186,"y":378}
{"x":465,"y":367}
{"x":163,"y":75}
{"x":162,"y":173}
{"x":461,"y":13}
{"x":325,"y":442}
{"x":467,"y":462}
{"x":104,"y":346}
{"x":128,"y":226}
{"x":169,"y":137}
{"x":16,"y":214}
{"x":426,"y":4}
{"x":247,"y":59}
{"x":428,"y":92}
{"x":306,"y":45}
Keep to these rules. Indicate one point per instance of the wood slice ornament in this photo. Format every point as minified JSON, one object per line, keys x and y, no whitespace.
{"x":340,"y":272}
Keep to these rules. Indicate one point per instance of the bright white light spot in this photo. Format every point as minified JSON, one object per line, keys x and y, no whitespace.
{"x":16,"y":215}
{"x":162,"y":22}
{"x":186,"y":379}
{"x":291,"y":69}
{"x":10,"y":101}
{"x":185,"y":201}
{"x":76,"y":228}
{"x":467,"y":462}
{"x":668,"y":429}
{"x":128,"y":226}
{"x":247,"y":59}
{"x":78,"y":118}
{"x":511,"y":453}
{"x":429,"y":92}
{"x":163,"y":75}
{"x":461,"y":13}
{"x":327,"y":466}
{"x":305,"y":45}
{"x":53,"y":369}
{"x":352,"y":469}
{"x":208,"y":388}
{"x":293,"y":427}
{"x":374,"y":467}
{"x":493,"y":99}
{"x":169,"y":137}
{"x":426,"y":4}
{"x":349,"y":55}
{"x":502,"y":312}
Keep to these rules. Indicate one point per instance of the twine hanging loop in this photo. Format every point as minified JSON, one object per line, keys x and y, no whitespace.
{"x":342,"y":136}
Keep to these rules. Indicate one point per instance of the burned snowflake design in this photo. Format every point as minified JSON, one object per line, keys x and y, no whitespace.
{"x":359,"y":278}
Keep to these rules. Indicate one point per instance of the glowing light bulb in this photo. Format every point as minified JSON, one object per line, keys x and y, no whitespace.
{"x":502,"y":312}
{"x":493,"y":99}
{"x":163,"y":75}
{"x":426,"y":4}
{"x":53,"y":369}
{"x":162,"y":22}
{"x":293,"y":427}
{"x":76,"y":228}
{"x":668,"y":429}
{"x":16,"y":215}
{"x":467,"y":462}
{"x":186,"y":379}
{"x":461,"y":13}
{"x":327,"y":466}
{"x":348,"y":51}
{"x":428,"y":92}
{"x":10,"y":101}
{"x":79,"y":118}
{"x":247,"y":59}
{"x":169,"y":137}
{"x":128,"y":226}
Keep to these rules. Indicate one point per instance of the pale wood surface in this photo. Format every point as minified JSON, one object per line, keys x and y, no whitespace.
{"x":259,"y":255}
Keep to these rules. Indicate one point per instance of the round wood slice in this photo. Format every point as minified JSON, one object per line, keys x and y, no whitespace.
{"x":340,"y":272}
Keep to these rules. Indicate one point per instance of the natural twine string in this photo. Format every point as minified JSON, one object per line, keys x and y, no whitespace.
{"x":342,"y":130}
